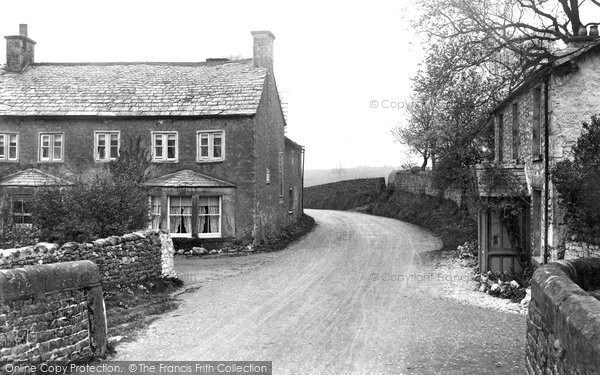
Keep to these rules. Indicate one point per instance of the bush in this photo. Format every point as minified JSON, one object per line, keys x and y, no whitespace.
{"x":578,"y":183}
{"x":88,"y":210}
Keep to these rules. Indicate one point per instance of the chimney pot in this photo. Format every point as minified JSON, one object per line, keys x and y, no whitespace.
{"x":582,"y":31}
{"x":23,"y":29}
{"x":263,"y":49}
{"x":594,"y":30}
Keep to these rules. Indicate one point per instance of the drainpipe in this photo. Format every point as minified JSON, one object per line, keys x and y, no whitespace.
{"x":546,"y":168}
{"x":302,"y":180}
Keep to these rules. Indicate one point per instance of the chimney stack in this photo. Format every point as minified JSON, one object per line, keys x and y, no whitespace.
{"x":263,"y":49}
{"x":19,"y":50}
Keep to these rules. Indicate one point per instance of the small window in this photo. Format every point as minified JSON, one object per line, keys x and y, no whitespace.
{"x":155,"y":205}
{"x":281,"y":174}
{"x":165,"y":146}
{"x":51,"y":147}
{"x":180,"y":216}
{"x":22,"y":210}
{"x":211,"y":146}
{"x":106,"y":145}
{"x":9,"y":147}
{"x":537,"y":123}
{"x":291,"y":200}
{"x":209,"y":216}
{"x":268,"y":173}
{"x":516,"y":142}
{"x":500,"y":145}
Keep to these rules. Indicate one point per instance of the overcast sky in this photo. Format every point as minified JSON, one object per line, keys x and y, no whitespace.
{"x":342,"y":67}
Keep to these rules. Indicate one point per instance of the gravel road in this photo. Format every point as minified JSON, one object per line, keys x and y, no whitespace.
{"x":351,"y":297}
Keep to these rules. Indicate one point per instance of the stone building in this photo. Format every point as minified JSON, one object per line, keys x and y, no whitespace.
{"x":222,"y":167}
{"x":536,"y":126}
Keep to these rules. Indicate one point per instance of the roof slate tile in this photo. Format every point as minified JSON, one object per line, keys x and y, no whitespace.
{"x":132,"y":89}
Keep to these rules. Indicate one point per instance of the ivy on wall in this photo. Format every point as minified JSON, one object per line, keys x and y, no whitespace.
{"x":577,"y":180}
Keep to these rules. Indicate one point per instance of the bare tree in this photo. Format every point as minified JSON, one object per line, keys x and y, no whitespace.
{"x":509,"y":38}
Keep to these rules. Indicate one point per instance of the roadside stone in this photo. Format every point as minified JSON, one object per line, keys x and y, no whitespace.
{"x":199,"y":251}
{"x":494,"y":287}
{"x":213,"y":251}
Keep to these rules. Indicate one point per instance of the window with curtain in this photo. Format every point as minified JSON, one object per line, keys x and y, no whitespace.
{"x":8,"y":146}
{"x":51,"y":147}
{"x":211,"y":146}
{"x":107,"y":145}
{"x":180,"y":215}
{"x":209,"y":216}
{"x":155,"y":212}
{"x":165,"y":146}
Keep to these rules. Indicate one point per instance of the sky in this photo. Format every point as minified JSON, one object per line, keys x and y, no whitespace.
{"x":343,"y":68}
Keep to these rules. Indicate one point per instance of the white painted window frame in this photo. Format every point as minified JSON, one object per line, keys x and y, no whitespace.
{"x":182,"y":235}
{"x":107,"y":134}
{"x":211,"y":235}
{"x":164,"y":138}
{"x":51,"y":158}
{"x":211,"y":137}
{"x":6,"y":147}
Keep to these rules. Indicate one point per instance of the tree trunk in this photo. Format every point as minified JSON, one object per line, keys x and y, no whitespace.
{"x":425,"y":161}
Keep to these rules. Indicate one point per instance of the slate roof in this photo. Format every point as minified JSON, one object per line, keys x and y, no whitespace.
{"x":33,"y":177}
{"x":133,"y":89}
{"x":187,"y":178}
{"x":563,"y":57}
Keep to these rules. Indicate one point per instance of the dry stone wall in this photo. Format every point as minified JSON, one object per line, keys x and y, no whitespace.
{"x":128,"y":259}
{"x":421,"y":183}
{"x":575,"y":250}
{"x":563,"y":326}
{"x":51,"y":312}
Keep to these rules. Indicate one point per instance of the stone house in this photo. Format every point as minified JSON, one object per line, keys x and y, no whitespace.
{"x":222,"y":167}
{"x":535,"y":127}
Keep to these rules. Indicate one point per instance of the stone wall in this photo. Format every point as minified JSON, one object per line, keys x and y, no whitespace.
{"x":574,"y":250}
{"x":51,"y":313}
{"x":344,"y":195}
{"x":421,"y":183}
{"x":563,"y":326}
{"x":123,"y":260}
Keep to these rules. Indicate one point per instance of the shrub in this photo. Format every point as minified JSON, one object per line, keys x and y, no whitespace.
{"x":88,"y":210}
{"x":578,"y":183}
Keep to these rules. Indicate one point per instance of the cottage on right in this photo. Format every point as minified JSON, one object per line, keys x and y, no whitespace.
{"x":535,"y":127}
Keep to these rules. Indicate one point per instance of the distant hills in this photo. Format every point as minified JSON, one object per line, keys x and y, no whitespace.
{"x":314,"y":177}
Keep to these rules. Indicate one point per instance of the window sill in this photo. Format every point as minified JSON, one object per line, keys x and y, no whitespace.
{"x":202,"y":161}
{"x":214,"y":235}
{"x":51,"y":161}
{"x":9,"y":161}
{"x":98,"y":161}
{"x":537,"y":159}
{"x":165,"y":161}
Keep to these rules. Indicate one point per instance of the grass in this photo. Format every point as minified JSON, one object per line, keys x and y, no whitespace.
{"x":446,"y":219}
{"x":133,"y":307}
{"x":288,"y":235}
{"x":344,"y":195}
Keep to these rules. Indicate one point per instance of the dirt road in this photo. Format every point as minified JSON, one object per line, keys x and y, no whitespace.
{"x":350,"y":298}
